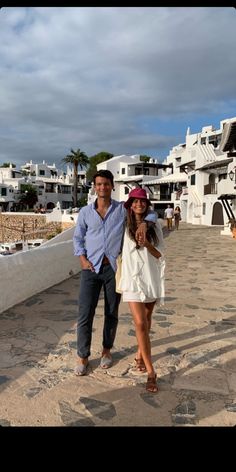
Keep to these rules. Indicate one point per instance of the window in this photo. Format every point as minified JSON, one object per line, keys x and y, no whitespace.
{"x":126,"y":190}
{"x":203,"y":208}
{"x":65,"y":189}
{"x":123,"y":170}
{"x":42,"y":172}
{"x":213,"y":140}
{"x":193,"y":179}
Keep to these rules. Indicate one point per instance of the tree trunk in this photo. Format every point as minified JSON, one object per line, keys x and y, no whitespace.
{"x":75,"y":184}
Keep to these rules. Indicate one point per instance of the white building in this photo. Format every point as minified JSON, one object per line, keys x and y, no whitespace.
{"x":52,"y":185}
{"x":198,"y":175}
{"x":207,"y":158}
{"x":129,"y":172}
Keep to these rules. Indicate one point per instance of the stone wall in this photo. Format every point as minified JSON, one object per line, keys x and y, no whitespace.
{"x":16,"y":227}
{"x":66,"y":225}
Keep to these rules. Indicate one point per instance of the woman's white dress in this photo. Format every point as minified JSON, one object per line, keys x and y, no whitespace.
{"x":142,"y":275}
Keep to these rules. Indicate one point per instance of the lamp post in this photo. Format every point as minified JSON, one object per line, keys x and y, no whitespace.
{"x":25,"y":246}
{"x":26,"y":193}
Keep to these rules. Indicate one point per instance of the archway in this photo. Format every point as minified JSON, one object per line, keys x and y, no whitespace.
{"x":217,"y":214}
{"x":50,"y":206}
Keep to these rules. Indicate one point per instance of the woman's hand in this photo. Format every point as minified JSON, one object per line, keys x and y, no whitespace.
{"x":140,"y":234}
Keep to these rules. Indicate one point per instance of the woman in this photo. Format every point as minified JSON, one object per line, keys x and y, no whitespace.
{"x":142,"y":277}
{"x":177,"y":216}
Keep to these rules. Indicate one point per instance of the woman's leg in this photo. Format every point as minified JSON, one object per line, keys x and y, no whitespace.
{"x":138,"y":311}
{"x":148,"y":312}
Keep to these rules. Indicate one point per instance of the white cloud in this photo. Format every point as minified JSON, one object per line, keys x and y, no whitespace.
{"x":100,"y":78}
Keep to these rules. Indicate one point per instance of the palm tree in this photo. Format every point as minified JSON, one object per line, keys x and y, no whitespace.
{"x":77,"y":159}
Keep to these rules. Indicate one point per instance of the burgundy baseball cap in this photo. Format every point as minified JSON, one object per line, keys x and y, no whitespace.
{"x":136,"y":193}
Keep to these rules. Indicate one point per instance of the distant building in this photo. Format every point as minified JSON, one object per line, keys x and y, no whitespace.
{"x":52,"y":185}
{"x":198,"y":175}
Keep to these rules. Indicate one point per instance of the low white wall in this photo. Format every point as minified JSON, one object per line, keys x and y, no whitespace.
{"x":24,"y":274}
{"x":60,"y":216}
{"x":66,"y":235}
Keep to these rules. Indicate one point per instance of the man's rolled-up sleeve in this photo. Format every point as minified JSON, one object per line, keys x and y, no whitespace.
{"x":151,"y":217}
{"x":79,"y":236}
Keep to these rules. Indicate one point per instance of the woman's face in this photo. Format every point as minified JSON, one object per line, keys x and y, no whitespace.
{"x":139,"y":206}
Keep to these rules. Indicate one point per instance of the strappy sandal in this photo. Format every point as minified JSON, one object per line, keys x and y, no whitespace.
{"x":151,"y":385}
{"x":139,"y":364}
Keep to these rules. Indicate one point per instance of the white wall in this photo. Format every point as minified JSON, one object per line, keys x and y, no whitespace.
{"x":25,"y":274}
{"x":66,"y":235}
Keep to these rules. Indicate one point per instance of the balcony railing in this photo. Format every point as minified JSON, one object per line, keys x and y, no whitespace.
{"x":210,"y":189}
{"x":185,"y":190}
{"x":161,"y":196}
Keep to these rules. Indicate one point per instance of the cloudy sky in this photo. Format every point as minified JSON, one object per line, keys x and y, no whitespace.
{"x":127,"y":80}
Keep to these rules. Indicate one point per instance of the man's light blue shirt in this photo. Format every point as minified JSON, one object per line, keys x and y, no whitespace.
{"x":96,"y":237}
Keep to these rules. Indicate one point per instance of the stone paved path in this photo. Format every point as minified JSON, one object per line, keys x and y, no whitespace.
{"x":193,"y":345}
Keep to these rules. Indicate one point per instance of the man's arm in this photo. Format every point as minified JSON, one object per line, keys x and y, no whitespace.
{"x":151,"y":216}
{"x":79,"y":235}
{"x":79,"y":242}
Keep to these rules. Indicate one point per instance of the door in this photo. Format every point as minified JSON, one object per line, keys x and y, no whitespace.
{"x":217,"y":214}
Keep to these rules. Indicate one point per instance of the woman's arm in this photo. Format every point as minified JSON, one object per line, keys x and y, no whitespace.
{"x":159,"y":233}
{"x":152,"y":249}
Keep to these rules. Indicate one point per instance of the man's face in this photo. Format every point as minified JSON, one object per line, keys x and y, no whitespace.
{"x":103,"y":187}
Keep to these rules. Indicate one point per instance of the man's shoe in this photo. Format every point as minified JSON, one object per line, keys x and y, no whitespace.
{"x":106,"y":362}
{"x":81,"y":369}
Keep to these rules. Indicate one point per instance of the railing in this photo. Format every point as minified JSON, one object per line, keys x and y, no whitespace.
{"x":161,"y":196}
{"x":177,"y":194}
{"x":210,"y":189}
{"x":165,"y":196}
{"x":185,"y":190}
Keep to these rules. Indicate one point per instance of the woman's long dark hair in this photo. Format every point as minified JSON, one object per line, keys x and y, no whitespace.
{"x":131,"y":226}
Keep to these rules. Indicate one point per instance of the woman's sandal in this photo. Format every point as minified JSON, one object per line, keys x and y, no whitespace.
{"x":151,"y":385}
{"x":139,"y":364}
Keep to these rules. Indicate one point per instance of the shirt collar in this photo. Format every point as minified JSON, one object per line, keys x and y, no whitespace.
{"x":94,"y":203}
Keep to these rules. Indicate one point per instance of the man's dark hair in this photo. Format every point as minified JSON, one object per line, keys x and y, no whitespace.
{"x":104,"y":173}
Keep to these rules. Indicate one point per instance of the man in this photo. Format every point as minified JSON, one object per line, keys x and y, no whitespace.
{"x":97,"y":241}
{"x":169,"y":213}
